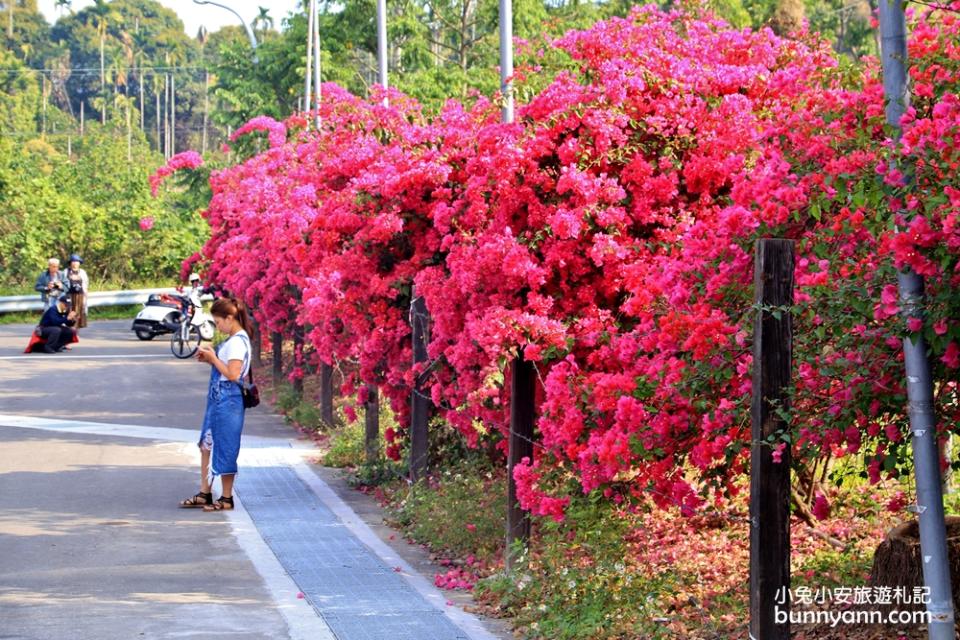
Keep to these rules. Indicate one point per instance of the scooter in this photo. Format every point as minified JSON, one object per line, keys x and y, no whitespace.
{"x":164,"y":313}
{"x":160,"y":314}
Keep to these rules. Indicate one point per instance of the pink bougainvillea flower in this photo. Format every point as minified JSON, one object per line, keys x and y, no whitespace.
{"x":184,"y":160}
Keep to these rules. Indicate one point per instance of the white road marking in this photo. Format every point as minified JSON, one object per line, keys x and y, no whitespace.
{"x":168,"y":434}
{"x":303,"y":622}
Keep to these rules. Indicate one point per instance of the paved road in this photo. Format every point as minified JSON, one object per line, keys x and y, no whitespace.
{"x":96,"y":450}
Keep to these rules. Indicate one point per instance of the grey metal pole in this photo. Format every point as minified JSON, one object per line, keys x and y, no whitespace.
{"x":506,"y":58}
{"x":382,"y":44}
{"x":920,"y":407}
{"x":318,"y":92}
{"x":173,"y":115}
{"x":308,"y":72}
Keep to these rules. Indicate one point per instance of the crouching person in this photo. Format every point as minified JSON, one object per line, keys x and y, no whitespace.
{"x":56,"y":326}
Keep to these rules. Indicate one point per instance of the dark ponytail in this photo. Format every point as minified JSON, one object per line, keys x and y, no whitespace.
{"x":223,"y":307}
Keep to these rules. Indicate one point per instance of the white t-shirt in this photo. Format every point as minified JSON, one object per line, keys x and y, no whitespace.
{"x":235,"y":348}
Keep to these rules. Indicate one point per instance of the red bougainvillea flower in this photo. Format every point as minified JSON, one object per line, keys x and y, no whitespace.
{"x":607,"y":236}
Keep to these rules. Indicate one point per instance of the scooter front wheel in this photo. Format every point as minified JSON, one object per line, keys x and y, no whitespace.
{"x":184,"y":346}
{"x":144,"y":334}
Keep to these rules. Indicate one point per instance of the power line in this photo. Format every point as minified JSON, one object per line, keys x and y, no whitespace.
{"x":85,"y":72}
{"x":97,"y":69}
{"x":76,"y":133}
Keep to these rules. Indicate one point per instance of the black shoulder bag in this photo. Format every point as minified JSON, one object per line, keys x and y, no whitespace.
{"x":249,"y":391}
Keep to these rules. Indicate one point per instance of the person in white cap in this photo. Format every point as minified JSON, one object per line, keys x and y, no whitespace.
{"x":196,"y":290}
{"x":51,"y":283}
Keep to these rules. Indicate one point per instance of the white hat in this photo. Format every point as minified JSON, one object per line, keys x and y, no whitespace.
{"x":193,"y":276}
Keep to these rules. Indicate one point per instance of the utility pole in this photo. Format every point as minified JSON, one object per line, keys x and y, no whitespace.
{"x":166,"y":116}
{"x":173,"y":115}
{"x":506,"y":58}
{"x":382,"y":46}
{"x":140,"y":78}
{"x":523,"y":374}
{"x":317,"y":63}
{"x":920,"y":406}
{"x":308,"y":75}
{"x":43,"y":113}
{"x":156,"y":94}
{"x":206,"y":110}
{"x":129,"y":133}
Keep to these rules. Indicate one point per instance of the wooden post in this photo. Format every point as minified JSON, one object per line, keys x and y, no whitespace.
{"x":420,"y":402}
{"x":298,"y":358}
{"x":522,"y":416}
{"x":769,"y":480}
{"x":256,"y":341}
{"x":371,"y":438}
{"x":276,"y":343}
{"x":326,"y":393}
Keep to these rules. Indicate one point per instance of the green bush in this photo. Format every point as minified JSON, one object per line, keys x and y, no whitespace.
{"x":461,"y":511}
{"x":287,"y":398}
{"x":346,"y":446}
{"x":577,"y":582}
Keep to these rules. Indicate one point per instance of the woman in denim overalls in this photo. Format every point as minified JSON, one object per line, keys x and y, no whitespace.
{"x":223,"y":420}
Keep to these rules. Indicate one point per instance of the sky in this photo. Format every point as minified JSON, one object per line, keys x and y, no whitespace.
{"x":194,"y":15}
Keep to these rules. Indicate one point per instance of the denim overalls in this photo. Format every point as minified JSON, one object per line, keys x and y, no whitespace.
{"x":223,"y":422}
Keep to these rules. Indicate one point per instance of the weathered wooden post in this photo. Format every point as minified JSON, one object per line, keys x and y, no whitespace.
{"x":420,"y":402}
{"x":256,"y":341}
{"x":371,"y":440}
{"x":522,"y":393}
{"x":326,"y":393}
{"x":276,"y":344}
{"x":298,"y":358}
{"x":770,"y":480}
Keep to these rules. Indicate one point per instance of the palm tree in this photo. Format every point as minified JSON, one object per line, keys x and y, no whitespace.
{"x":63,"y":6}
{"x":102,"y":15}
{"x":263,"y":22}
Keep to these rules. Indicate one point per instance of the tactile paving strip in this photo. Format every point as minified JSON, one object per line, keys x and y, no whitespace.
{"x":358,"y":596}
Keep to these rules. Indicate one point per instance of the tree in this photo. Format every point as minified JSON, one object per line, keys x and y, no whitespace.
{"x":19,"y":98}
{"x":788,"y":17}
{"x":131,"y":34}
{"x":26,"y":32}
{"x":263,"y":22}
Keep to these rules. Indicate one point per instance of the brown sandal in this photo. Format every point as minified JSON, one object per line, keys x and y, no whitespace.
{"x":200,"y":500}
{"x":223,"y":503}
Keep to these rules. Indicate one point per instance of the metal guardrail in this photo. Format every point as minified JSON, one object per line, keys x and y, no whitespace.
{"x":9,"y":304}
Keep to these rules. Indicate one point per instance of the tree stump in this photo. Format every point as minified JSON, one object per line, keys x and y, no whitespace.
{"x":897,"y":562}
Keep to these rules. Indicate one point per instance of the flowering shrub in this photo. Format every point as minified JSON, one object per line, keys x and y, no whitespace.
{"x":276,"y":131}
{"x":184,"y":160}
{"x":607,"y":236}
